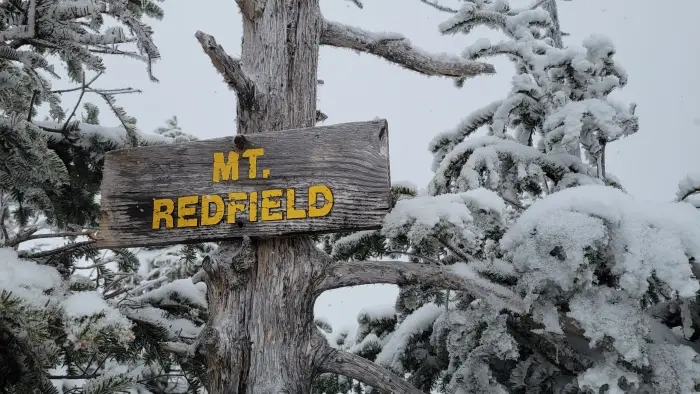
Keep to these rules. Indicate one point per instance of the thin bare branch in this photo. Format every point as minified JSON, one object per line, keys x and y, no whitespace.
{"x":35,"y":93}
{"x":62,"y":249}
{"x":358,"y":3}
{"x":28,"y":235}
{"x":83,"y":86}
{"x":228,"y":67}
{"x":398,"y":50}
{"x":100,"y":91}
{"x":355,"y":367}
{"x":457,"y":277}
{"x":439,"y":7}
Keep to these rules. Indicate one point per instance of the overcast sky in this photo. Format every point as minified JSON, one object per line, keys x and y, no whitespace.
{"x":656,"y":44}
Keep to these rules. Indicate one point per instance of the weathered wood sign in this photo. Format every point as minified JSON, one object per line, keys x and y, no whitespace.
{"x":319,"y":179}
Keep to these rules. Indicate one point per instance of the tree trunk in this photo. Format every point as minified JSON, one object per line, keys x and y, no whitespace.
{"x":260,"y":328}
{"x":260,"y":337}
{"x":262,"y":315}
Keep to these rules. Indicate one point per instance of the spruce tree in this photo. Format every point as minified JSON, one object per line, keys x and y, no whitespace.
{"x":75,"y":319}
{"x":609,"y":279}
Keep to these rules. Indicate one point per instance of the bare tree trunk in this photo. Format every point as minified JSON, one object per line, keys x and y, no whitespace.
{"x":260,"y":337}
{"x":264,"y":313}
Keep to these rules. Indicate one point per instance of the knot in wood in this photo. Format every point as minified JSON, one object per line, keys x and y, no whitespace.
{"x":239,"y":142}
{"x":209,"y":265}
{"x":244,"y":256}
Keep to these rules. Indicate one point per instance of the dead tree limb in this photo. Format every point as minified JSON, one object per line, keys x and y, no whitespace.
{"x":342,"y":363}
{"x":230,"y":68}
{"x":457,"y":277}
{"x":398,"y":50}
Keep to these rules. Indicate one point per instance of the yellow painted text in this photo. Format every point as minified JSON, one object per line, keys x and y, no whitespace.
{"x":226,"y":166}
{"x":240,"y":207}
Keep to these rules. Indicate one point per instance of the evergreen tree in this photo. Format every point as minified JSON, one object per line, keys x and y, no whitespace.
{"x":75,"y":319}
{"x":609,"y":279}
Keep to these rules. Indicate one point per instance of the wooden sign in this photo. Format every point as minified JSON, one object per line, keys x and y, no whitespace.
{"x":319,"y":179}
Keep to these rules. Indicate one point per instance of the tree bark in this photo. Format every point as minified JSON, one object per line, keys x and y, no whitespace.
{"x":260,"y":337}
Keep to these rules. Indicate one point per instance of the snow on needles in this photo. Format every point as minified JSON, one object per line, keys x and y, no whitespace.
{"x":419,"y":216}
{"x":89,"y":315}
{"x":642,"y":237}
{"x":28,"y":280}
{"x":184,"y":289}
{"x":377,"y":312}
{"x":688,"y":186}
{"x":420,"y":320}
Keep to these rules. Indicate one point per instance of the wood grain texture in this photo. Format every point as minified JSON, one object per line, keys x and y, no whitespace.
{"x":351,"y":159}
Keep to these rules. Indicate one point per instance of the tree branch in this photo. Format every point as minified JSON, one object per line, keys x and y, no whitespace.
{"x":358,"y":3}
{"x":355,"y":367}
{"x":439,"y":7}
{"x":457,"y":277}
{"x":251,"y":9}
{"x":228,"y":67}
{"x":83,"y":89}
{"x":178,"y":348}
{"x":398,"y":49}
{"x":29,"y":235}
{"x":62,"y":249}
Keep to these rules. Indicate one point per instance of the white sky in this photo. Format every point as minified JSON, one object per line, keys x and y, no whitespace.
{"x":657,"y":45}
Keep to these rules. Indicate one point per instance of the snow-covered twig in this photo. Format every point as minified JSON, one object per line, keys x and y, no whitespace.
{"x":358,"y":3}
{"x":28,"y":235}
{"x":228,"y":67}
{"x":439,"y":7}
{"x":456,"y":277}
{"x":179,"y":348}
{"x":398,"y":49}
{"x":62,"y":249}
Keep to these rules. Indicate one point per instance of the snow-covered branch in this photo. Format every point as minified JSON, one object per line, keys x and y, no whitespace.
{"x":398,"y":49}
{"x":355,"y":367}
{"x":178,"y":348}
{"x":358,"y":3}
{"x":455,"y":277}
{"x":85,"y":131}
{"x":227,"y":66}
{"x":439,"y":7}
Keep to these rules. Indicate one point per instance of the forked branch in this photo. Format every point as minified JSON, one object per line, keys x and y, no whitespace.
{"x":230,"y":68}
{"x":457,"y":277}
{"x":398,"y":49}
{"x":355,"y":367}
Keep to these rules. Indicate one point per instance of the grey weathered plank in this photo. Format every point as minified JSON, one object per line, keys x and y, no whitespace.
{"x":352,"y":159}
